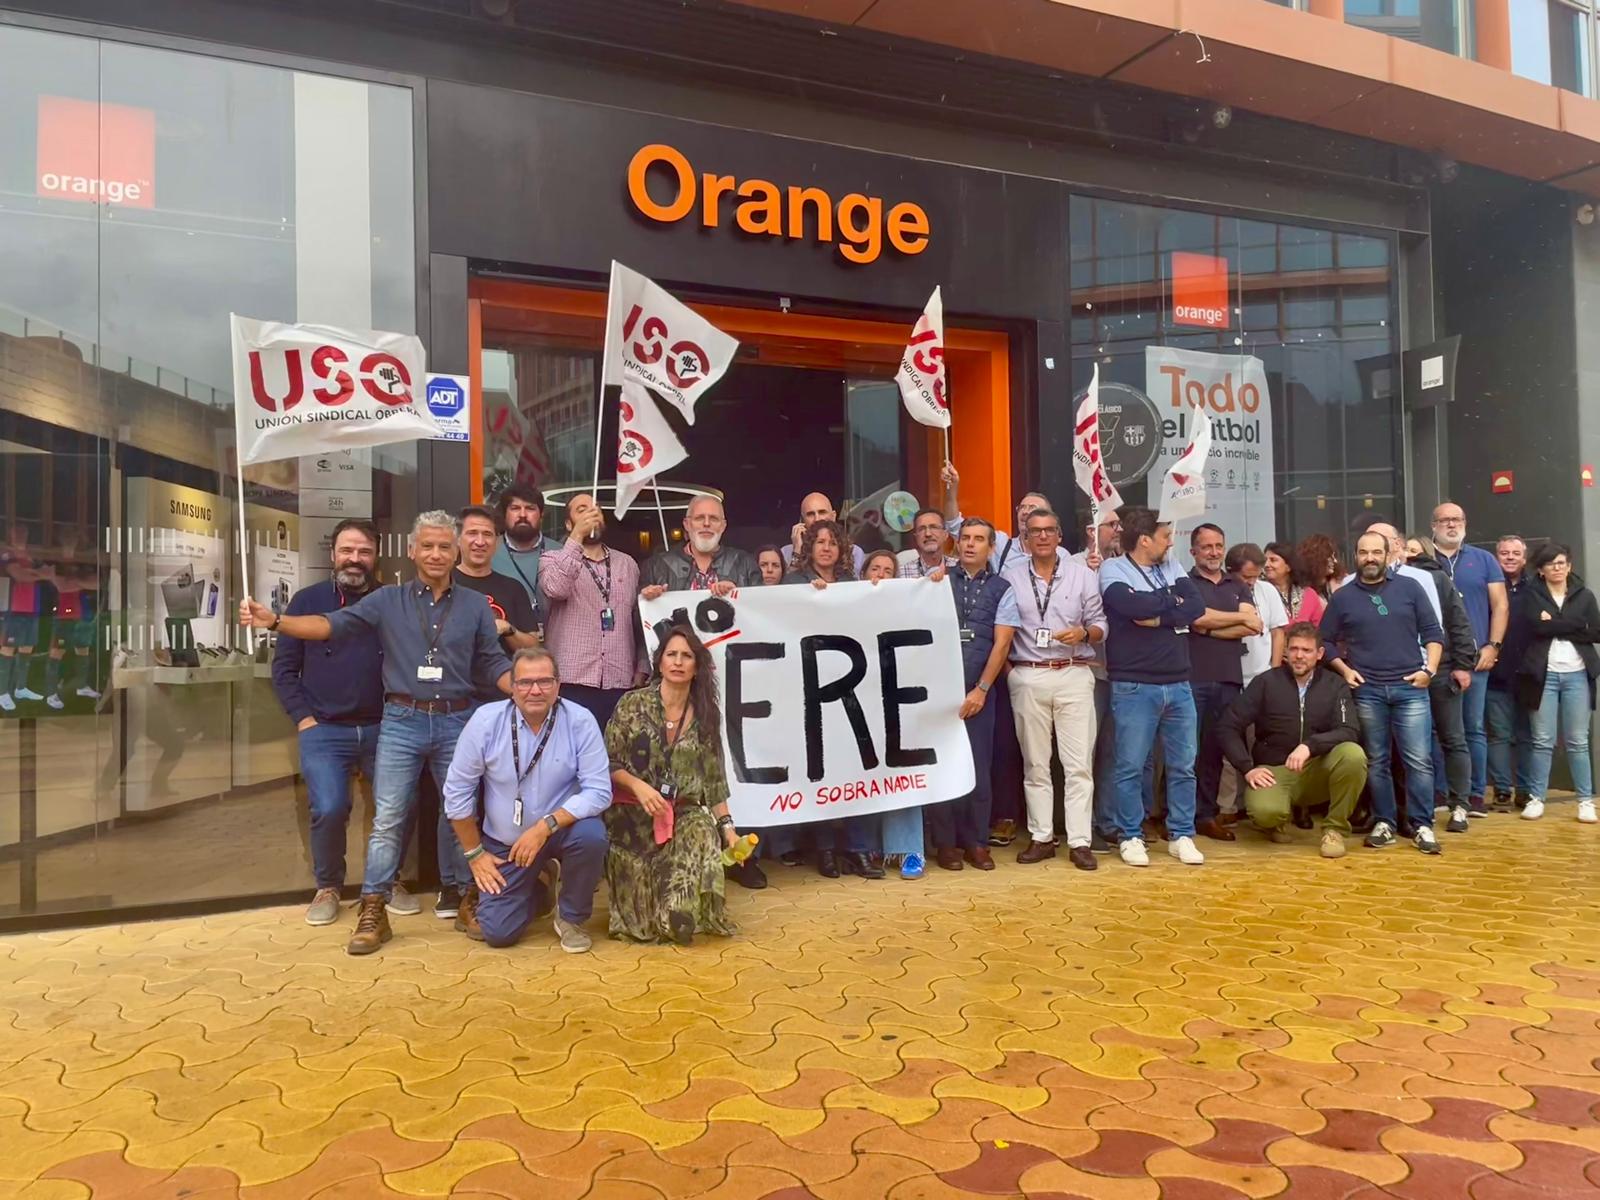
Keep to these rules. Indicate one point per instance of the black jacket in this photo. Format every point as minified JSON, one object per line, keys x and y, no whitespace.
{"x":1503,"y":675}
{"x":674,"y":569}
{"x":1272,"y":704}
{"x":1577,"y":621}
{"x":1460,"y":645}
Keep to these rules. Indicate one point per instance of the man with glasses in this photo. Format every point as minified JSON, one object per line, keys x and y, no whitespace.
{"x":1104,"y":541}
{"x":1383,"y":637}
{"x":546,"y":778}
{"x":702,"y":563}
{"x":1052,"y":686}
{"x":927,"y":535}
{"x":1007,"y":549}
{"x":1482,"y":584}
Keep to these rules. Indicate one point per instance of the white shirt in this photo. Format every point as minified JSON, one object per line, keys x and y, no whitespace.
{"x":1564,"y":657}
{"x":1258,"y":647}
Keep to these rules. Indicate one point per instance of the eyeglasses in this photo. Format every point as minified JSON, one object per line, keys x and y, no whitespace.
{"x":1044,"y":533}
{"x":543,"y":684}
{"x":1378,"y":603}
{"x":1451,"y":521}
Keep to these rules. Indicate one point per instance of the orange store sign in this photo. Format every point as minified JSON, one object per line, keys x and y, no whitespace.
{"x":93,"y":152}
{"x":861,"y":223}
{"x":1199,"y":290}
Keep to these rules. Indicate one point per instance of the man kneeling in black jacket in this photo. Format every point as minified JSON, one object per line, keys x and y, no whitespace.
{"x":1308,"y":743}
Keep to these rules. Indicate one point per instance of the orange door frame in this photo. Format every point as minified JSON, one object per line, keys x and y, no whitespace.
{"x":978,"y":362}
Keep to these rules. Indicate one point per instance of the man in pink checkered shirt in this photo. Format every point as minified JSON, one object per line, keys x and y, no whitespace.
{"x":593,"y":625}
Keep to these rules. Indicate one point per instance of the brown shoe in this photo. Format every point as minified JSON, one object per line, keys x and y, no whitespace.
{"x":1003,"y":833}
{"x":1037,"y":852}
{"x":1083,"y":858}
{"x":949,"y":858}
{"x":1215,"y":830}
{"x":467,"y":915}
{"x":1230,"y":818}
{"x":372,"y":926}
{"x":980,"y":858}
{"x":1154,"y":830}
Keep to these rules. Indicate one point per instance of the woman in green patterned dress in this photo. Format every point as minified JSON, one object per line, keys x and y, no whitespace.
{"x":670,"y":822}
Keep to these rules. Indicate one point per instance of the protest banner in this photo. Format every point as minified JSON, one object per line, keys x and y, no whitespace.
{"x":921,"y":377}
{"x":1238,"y":477}
{"x":655,"y":340}
{"x":1088,"y":466}
{"x":835,"y":703}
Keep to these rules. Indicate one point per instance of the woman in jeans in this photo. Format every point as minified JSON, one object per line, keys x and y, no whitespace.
{"x":1559,"y":621}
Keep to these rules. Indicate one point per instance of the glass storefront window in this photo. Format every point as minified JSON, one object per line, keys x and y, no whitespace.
{"x":1550,"y":43}
{"x":1435,"y":23}
{"x":1314,"y":308}
{"x":146,"y":194}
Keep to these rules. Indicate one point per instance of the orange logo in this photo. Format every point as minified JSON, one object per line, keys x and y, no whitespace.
{"x":1199,"y":290}
{"x":762,"y":208}
{"x":93,"y":152}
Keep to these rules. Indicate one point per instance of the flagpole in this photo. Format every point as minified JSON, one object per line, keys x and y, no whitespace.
{"x":666,"y":542}
{"x":605,"y":373}
{"x":244,"y":547}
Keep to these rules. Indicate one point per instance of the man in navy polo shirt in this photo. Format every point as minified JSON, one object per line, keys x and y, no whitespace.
{"x":1482,"y":584}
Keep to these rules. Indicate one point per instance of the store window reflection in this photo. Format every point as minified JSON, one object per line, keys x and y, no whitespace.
{"x":1550,"y":42}
{"x":143,"y":757}
{"x":1434,"y":23}
{"x":1314,"y":307}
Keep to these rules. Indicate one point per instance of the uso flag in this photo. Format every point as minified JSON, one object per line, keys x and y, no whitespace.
{"x":1088,"y":465}
{"x":654,"y":340}
{"x":306,"y":389}
{"x":921,"y":375}
{"x":646,"y":445}
{"x":1183,"y":489}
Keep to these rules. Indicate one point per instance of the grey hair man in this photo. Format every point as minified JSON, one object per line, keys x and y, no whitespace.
{"x":704,"y":562}
{"x":439,"y":643}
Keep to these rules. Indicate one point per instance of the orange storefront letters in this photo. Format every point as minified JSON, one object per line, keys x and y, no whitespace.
{"x":763,"y":208}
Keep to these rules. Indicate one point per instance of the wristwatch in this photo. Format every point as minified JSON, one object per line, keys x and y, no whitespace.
{"x":1495,"y":645}
{"x":551,"y":823}
{"x":982,"y":686}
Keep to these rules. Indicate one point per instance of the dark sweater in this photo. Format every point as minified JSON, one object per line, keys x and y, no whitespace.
{"x":1381,"y":626}
{"x":1141,"y":653}
{"x":339,"y":681}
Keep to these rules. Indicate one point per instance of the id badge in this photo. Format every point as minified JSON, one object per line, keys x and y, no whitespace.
{"x":1041,"y":639}
{"x":429,"y":674}
{"x":608,"y":620}
{"x":516,"y":813}
{"x":669,"y":791}
{"x":1180,"y":629}
{"x":966,"y":635}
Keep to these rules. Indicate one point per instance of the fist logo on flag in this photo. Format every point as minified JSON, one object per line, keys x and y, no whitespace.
{"x":686,"y":364}
{"x":634,"y":451}
{"x":390,"y":378}
{"x":921,"y":376}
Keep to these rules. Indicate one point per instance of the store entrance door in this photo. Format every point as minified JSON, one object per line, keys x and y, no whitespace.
{"x":809,"y":405}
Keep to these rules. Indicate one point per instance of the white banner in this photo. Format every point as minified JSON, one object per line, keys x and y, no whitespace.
{"x":834,"y":703}
{"x":1088,"y":467}
{"x":921,"y":376}
{"x":646,"y":445}
{"x":667,"y":346}
{"x":1238,"y":475}
{"x":303,"y":389}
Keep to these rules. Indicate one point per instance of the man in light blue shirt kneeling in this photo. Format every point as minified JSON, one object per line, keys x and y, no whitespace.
{"x":545,"y":780}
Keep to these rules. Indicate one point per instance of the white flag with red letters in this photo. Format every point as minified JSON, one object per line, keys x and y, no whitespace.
{"x":646,"y":445}
{"x":1087,"y":464}
{"x":653,"y":339}
{"x":1183,"y":490}
{"x":922,"y":373}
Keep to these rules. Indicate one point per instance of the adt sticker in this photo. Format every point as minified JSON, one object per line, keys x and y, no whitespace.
{"x":450,"y":401}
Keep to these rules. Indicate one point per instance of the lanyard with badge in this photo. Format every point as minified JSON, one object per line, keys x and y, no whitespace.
{"x":533,"y":592}
{"x":428,"y":671}
{"x":608,"y":619}
{"x":1158,"y":584}
{"x":971,"y":593}
{"x":522,"y":773}
{"x":1041,"y":635}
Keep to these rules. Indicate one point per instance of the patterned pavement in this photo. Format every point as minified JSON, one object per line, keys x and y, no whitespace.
{"x":1269,"y":1024}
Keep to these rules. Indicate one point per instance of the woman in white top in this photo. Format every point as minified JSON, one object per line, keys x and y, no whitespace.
{"x":1560,"y":620}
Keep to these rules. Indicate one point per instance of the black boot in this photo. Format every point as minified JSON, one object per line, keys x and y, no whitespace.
{"x":860,"y":864}
{"x":827,"y":864}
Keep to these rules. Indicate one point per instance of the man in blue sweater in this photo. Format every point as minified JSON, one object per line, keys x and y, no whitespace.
{"x":333,"y":692}
{"x":1150,"y":609}
{"x":1383,"y":637}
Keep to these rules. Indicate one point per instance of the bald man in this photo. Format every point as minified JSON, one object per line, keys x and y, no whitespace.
{"x":817,"y":507}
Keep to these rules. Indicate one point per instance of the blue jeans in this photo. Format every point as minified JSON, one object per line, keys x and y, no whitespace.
{"x":1564,"y":705}
{"x":408,"y":741}
{"x":580,"y":848}
{"x":1510,"y":743}
{"x":328,"y":754}
{"x":1143,"y":712}
{"x":1397,"y":713}
{"x":1474,"y":703}
{"x":901,"y":831}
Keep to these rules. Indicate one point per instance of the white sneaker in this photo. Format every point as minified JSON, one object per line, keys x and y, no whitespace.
{"x":88,"y":693}
{"x":23,"y":693}
{"x":1185,"y":851}
{"x":56,"y":702}
{"x":1586,"y":812}
{"x":1133,"y":853}
{"x":7,"y":704}
{"x":1533,"y":809}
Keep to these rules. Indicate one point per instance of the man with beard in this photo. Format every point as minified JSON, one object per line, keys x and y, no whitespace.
{"x":1383,"y":637}
{"x":593,"y":592}
{"x":702,"y":563}
{"x":927,"y":535}
{"x":517,"y":553}
{"x":333,"y":692}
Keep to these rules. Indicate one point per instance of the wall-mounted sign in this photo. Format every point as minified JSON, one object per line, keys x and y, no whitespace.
{"x":91,"y":152}
{"x":1199,"y":290}
{"x":859,"y":223}
{"x":1501,"y":482}
{"x":450,"y":402}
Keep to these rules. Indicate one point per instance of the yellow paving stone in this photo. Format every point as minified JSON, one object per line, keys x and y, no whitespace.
{"x":785,"y":1122}
{"x":438,"y":1177}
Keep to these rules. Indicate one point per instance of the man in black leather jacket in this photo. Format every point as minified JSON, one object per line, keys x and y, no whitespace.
{"x":1307,"y":743}
{"x":702,"y":562}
